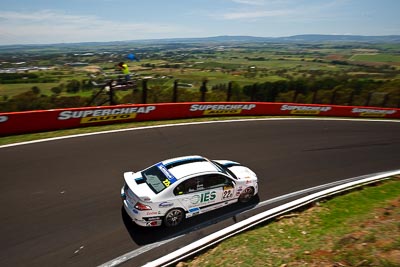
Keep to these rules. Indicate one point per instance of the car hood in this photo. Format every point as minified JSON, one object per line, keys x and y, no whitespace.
{"x":138,"y":186}
{"x":239,"y":170}
{"x":242,"y":172}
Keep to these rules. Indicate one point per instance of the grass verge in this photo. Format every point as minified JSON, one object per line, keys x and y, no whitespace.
{"x":119,"y":126}
{"x":360,"y":228}
{"x":43,"y":135}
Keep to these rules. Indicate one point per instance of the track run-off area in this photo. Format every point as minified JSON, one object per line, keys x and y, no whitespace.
{"x":60,"y":198}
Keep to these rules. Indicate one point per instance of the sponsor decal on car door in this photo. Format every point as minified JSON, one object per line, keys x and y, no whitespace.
{"x":206,"y":200}
{"x":201,"y":198}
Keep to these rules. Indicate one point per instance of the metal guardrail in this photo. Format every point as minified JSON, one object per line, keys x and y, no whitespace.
{"x":217,"y":237}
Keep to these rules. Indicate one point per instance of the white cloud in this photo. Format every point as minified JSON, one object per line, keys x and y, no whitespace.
{"x":49,"y":26}
{"x":285,"y":9}
{"x":249,"y":2}
{"x":255,"y":14}
{"x":263,"y":2}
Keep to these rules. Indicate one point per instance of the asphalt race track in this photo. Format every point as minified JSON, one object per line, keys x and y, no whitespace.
{"x":60,"y":200}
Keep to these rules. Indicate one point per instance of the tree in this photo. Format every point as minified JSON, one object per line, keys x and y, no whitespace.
{"x":86,"y":85}
{"x":73,"y":86}
{"x":69,"y":102}
{"x":35,"y":90}
{"x":56,"y":90}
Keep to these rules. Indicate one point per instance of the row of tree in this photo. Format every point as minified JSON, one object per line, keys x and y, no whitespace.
{"x":14,"y":78}
{"x":361,"y":92}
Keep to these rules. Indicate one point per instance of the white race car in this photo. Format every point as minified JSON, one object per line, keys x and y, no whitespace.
{"x":175,"y":189}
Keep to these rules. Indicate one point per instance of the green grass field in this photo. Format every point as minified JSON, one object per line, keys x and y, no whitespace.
{"x":384,"y":58}
{"x":11,"y":90}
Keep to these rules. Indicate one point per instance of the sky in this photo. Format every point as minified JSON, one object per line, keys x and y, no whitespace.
{"x":72,"y":21}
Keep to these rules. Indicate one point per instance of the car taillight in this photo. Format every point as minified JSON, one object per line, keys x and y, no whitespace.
{"x":140,"y":206}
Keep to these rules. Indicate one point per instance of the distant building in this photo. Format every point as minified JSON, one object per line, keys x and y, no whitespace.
{"x":77,"y":64}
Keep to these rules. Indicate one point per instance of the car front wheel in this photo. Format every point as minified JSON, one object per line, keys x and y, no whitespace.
{"x":174,"y":217}
{"x":246,"y":195}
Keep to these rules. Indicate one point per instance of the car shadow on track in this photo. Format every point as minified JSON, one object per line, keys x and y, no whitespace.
{"x":147,"y":235}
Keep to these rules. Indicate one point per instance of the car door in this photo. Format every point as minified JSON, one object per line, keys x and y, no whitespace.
{"x":203,"y":193}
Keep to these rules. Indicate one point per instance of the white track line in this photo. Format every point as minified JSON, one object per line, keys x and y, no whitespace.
{"x":186,"y":124}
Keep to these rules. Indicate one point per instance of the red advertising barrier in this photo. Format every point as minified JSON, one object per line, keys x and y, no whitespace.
{"x":48,"y":120}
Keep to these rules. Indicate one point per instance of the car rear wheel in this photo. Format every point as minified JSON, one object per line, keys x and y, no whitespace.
{"x":246,"y":195}
{"x":174,"y":217}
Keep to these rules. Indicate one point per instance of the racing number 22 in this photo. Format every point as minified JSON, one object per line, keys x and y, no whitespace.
{"x":227,"y":194}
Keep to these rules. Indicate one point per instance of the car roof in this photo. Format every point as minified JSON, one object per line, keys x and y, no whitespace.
{"x":188,"y":165}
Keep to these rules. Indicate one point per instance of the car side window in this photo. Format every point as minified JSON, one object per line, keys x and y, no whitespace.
{"x":215,"y":180}
{"x":202,"y":183}
{"x":189,"y":186}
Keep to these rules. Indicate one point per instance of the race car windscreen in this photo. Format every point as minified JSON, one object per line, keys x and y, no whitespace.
{"x":224,"y":169}
{"x":154,"y":178}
